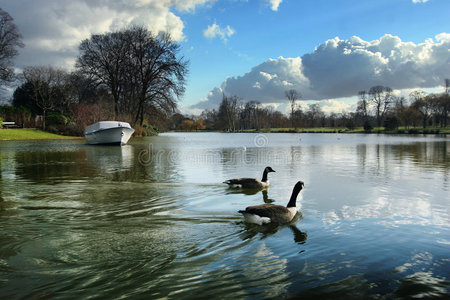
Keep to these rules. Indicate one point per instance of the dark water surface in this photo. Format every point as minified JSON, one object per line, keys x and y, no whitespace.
{"x":153,"y":220}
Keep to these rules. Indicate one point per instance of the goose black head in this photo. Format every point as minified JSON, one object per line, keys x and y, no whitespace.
{"x":269,"y":169}
{"x":299,"y":186}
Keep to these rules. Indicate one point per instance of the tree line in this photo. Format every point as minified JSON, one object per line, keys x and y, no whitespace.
{"x":129,"y":75}
{"x":376,"y":108}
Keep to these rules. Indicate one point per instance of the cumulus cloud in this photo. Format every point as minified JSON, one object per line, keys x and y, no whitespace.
{"x":340,"y":68}
{"x":53,"y":29}
{"x":419,"y":1}
{"x":215,"y":30}
{"x":332,"y":105}
{"x":274,"y":4}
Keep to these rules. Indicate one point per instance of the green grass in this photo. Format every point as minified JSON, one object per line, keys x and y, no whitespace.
{"x":28,"y":134}
{"x":400,"y":130}
{"x":314,"y":130}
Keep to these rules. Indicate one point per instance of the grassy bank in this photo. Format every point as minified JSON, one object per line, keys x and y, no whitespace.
{"x":400,"y":130}
{"x":29,"y":134}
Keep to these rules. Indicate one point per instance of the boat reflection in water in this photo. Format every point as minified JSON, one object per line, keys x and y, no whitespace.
{"x":110,"y":159}
{"x":108,"y":132}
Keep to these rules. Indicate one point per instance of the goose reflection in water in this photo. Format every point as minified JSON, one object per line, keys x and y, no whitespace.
{"x":250,"y":192}
{"x":251,"y":230}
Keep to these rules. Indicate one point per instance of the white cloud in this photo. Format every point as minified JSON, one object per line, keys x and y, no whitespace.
{"x":188,"y":5}
{"x":274,"y":4}
{"x":53,"y":29}
{"x":332,"y":105}
{"x":419,"y":1}
{"x":215,"y":30}
{"x":443,"y":37}
{"x":341,"y":68}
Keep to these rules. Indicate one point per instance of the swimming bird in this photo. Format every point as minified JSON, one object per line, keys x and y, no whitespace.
{"x":272,"y":213}
{"x":252,"y":183}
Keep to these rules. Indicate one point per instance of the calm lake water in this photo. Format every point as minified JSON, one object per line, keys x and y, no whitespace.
{"x":153,"y":219}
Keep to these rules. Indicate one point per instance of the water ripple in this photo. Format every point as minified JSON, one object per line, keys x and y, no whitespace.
{"x":94,"y":222}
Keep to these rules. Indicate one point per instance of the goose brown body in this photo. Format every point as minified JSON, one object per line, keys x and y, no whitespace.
{"x":273,"y":213}
{"x":252,"y":183}
{"x":276,"y":213}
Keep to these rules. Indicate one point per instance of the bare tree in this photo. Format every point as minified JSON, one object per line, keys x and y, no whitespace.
{"x":381,"y":98}
{"x":439,"y":106}
{"x":10,"y":41}
{"x":141,"y":71}
{"x":416,"y":95}
{"x":315,"y":115}
{"x":421,"y":105}
{"x":447,"y":86}
{"x":445,"y":104}
{"x":49,"y":86}
{"x":102,"y":58}
{"x":84,"y":89}
{"x":250,"y":115}
{"x":293,"y":96}
{"x":363,"y":106}
{"x":157,"y":73}
{"x":228,"y":112}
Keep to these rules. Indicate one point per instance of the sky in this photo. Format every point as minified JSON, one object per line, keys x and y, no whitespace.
{"x":328,"y":50}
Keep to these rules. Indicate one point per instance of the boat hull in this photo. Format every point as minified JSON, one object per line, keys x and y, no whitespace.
{"x":109,"y":136}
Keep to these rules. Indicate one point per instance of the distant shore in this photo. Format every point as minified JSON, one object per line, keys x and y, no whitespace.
{"x":415,"y":130}
{"x":36,"y":134}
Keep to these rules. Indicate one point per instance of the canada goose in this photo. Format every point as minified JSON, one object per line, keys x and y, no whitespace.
{"x":272,"y":213}
{"x":252,"y":183}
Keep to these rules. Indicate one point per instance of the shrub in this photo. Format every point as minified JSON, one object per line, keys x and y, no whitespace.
{"x":391,"y":123}
{"x":367,"y":126}
{"x":52,"y":129}
{"x":73,"y":129}
{"x":150,"y":131}
{"x":350,"y":124}
{"x":145,"y":130}
{"x":1,"y":122}
{"x":55,"y":119}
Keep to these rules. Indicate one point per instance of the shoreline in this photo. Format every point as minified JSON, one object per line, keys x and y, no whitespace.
{"x":31,"y":134}
{"x":411,"y":131}
{"x":36,"y":134}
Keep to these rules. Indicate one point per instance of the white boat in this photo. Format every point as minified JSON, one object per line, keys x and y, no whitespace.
{"x":108,"y":132}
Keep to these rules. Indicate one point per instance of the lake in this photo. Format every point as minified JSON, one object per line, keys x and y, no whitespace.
{"x":153,"y":219}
